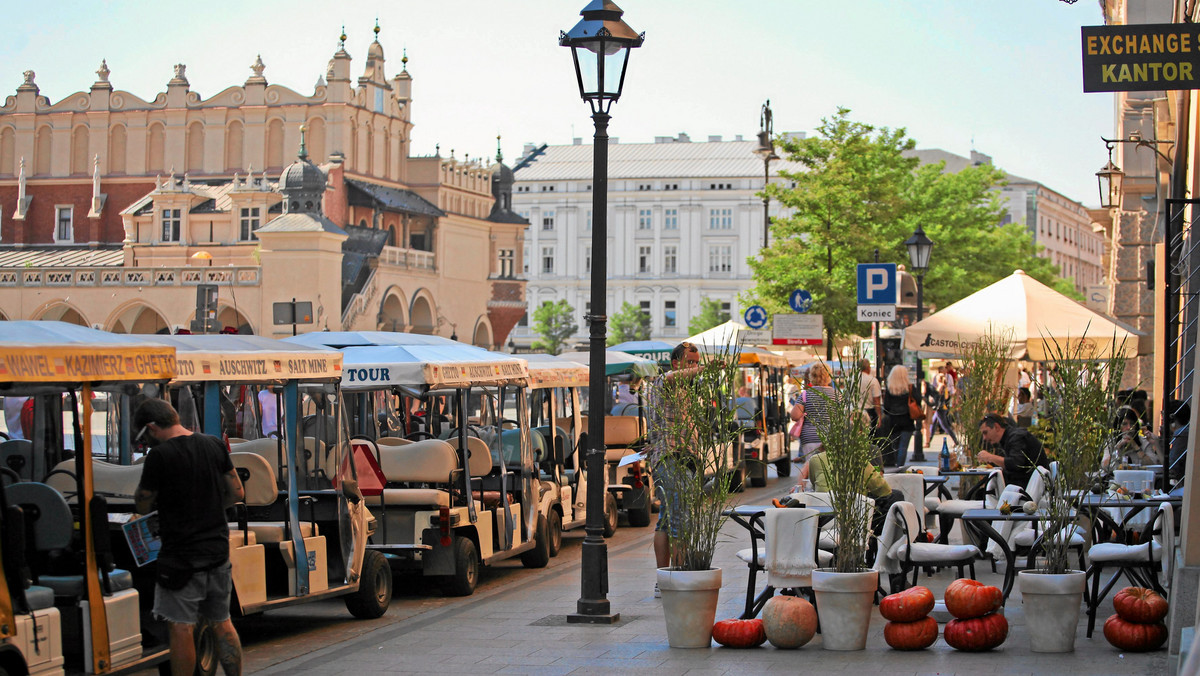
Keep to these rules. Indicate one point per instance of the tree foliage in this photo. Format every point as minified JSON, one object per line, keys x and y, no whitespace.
{"x":629,"y":323}
{"x":858,"y":191}
{"x":555,"y":323}
{"x":710,"y":315}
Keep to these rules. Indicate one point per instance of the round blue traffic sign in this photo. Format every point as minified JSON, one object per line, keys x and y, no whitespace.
{"x":756,"y":316}
{"x":800,"y":300}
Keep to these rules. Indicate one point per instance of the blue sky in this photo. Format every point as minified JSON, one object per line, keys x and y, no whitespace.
{"x":1002,"y":77}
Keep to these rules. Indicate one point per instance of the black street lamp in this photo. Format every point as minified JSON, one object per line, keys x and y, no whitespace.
{"x":600,"y":45}
{"x":766,"y":150}
{"x":920,"y":247}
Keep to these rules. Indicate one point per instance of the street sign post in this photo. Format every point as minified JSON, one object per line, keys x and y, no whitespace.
{"x":798,"y":329}
{"x":877,"y":284}
{"x":756,"y":337}
{"x":756,"y":316}
{"x":876,"y":313}
{"x":800,"y":300}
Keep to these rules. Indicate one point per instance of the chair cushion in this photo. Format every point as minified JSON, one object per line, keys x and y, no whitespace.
{"x":928,"y":552}
{"x":72,"y":586}
{"x":240,"y":538}
{"x":933,"y":503}
{"x":417,"y":497}
{"x":39,"y":598}
{"x":1112,"y":552}
{"x":748,"y":553}
{"x":265,"y":532}
{"x":828,"y":539}
{"x":957,"y":507}
{"x":824,"y":558}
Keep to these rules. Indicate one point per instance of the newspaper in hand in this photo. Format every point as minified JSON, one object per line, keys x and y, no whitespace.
{"x":142,"y":535}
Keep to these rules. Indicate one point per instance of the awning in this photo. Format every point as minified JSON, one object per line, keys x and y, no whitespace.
{"x":432,"y":366}
{"x":248,"y":359}
{"x":58,"y":352}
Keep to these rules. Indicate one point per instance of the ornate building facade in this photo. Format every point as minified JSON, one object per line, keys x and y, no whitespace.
{"x":114,"y":207}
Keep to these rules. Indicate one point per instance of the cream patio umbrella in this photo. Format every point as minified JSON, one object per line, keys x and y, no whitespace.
{"x":1038,"y":316}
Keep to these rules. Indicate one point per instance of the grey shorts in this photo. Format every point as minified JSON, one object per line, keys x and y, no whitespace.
{"x":205,"y":595}
{"x":664,"y":485}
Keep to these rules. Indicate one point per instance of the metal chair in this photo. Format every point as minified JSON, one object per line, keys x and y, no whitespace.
{"x":1140,"y":562}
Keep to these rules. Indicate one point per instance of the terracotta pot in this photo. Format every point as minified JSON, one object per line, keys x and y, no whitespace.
{"x":1052,"y":604}
{"x":844,"y":605}
{"x":689,"y":599}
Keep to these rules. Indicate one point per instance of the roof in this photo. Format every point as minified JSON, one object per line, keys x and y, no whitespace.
{"x":956,"y":163}
{"x":107,"y":256}
{"x":714,"y":159}
{"x":397,"y":199}
{"x":302,"y":223}
{"x":214,"y":198}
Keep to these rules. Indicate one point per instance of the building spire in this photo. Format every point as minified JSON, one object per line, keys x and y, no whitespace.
{"x":303,"y":155}
{"x":342,"y":38}
{"x":376,"y":29}
{"x":499,"y":155}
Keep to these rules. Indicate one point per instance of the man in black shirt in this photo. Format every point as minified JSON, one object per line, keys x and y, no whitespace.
{"x":190,"y":479}
{"x":1022,"y":451}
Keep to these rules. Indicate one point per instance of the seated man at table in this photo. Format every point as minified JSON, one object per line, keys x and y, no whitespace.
{"x":877,"y":487}
{"x":1022,"y":451}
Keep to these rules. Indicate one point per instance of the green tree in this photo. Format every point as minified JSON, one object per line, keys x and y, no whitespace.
{"x":555,"y":323}
{"x":859,"y":191}
{"x":630,"y":323}
{"x":710,"y":315}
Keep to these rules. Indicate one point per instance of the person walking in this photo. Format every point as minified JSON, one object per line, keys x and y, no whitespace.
{"x":897,"y":424}
{"x":815,"y":402}
{"x":190,"y":479}
{"x":868,"y":388}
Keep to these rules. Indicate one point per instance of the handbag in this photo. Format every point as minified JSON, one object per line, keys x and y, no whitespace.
{"x":914,"y":409}
{"x":797,"y":416}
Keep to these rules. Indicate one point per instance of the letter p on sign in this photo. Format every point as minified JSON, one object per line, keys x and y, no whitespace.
{"x":876,"y":283}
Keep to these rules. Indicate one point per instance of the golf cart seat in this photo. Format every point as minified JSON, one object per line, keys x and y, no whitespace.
{"x":510,"y":444}
{"x":117,"y":483}
{"x":50,"y":527}
{"x":479,"y":457}
{"x":621,"y":432}
{"x":258,"y":480}
{"x":430,"y":461}
{"x":17,"y":455}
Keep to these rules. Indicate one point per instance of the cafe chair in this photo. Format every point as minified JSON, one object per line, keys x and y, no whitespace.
{"x":984,"y":495}
{"x":1135,"y":481}
{"x":788,"y":554}
{"x":910,"y":549}
{"x":912,"y":485}
{"x":1141,"y":562}
{"x":1016,"y":497}
{"x":828,"y":537}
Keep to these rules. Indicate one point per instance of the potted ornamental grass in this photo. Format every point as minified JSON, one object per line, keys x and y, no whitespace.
{"x":1081,"y":401}
{"x":845,"y":593}
{"x":982,"y":389}
{"x":691,"y":429}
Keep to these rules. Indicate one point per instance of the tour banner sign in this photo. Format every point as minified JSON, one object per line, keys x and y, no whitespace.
{"x":1143,"y":57}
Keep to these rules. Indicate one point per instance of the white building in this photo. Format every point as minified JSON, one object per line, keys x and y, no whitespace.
{"x":683,"y":218}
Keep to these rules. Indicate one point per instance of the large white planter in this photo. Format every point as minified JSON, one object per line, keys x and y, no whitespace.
{"x":844,"y":602}
{"x":1052,"y":605}
{"x":689,"y":599}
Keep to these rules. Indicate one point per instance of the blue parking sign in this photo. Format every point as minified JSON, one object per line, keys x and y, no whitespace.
{"x":877,"y":284}
{"x":756,"y":316}
{"x":800,"y":300}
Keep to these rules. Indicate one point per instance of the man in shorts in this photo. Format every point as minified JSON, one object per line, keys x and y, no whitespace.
{"x":190,"y":479}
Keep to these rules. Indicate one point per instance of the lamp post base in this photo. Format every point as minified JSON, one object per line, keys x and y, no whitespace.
{"x":603,"y":617}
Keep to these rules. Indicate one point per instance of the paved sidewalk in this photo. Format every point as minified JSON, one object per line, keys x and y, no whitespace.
{"x":522,"y":630}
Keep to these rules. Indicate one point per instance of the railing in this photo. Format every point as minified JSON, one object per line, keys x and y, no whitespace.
{"x":1182,"y":309}
{"x":130,"y":277}
{"x":412,"y":259}
{"x":358,"y":302}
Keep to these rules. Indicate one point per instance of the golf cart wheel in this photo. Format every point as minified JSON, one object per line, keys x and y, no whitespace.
{"x":610,"y":515}
{"x":737,"y":480}
{"x":539,"y":556}
{"x":784,"y":466}
{"x":757,"y":473}
{"x":639,"y":517}
{"x":555,"y":522}
{"x":466,"y":568}
{"x":206,"y":649}
{"x":374,"y":588}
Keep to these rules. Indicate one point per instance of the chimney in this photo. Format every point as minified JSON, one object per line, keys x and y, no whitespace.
{"x":978,"y":158}
{"x":683,"y":138}
{"x":529,"y":148}
{"x":578,"y":141}
{"x":714,"y":139}
{"x":738,"y":137}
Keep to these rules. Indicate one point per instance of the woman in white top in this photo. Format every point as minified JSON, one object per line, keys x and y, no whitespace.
{"x":1128,"y":446}
{"x":815,"y":401}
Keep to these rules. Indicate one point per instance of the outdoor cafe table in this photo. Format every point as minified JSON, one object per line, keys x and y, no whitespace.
{"x":1093,"y":504}
{"x":751,"y":517}
{"x":980,"y":521}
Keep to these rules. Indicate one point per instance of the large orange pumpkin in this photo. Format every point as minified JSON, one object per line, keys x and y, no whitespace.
{"x":789,"y":621}
{"x":966,"y":599}
{"x":739,"y":633}
{"x":976,"y":634}
{"x":1137,"y":604}
{"x":909,"y":605}
{"x":1134,"y":637}
{"x":917,"y":635}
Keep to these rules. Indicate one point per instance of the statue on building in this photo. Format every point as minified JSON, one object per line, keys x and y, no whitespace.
{"x":765,"y":121}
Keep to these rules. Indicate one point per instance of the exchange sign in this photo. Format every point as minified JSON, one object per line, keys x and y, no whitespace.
{"x":1141,"y":57}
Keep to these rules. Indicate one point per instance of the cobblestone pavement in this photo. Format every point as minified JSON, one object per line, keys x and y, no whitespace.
{"x":515,"y":624}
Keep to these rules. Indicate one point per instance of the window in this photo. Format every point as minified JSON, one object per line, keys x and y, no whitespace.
{"x":587,"y":260}
{"x":548,"y":220}
{"x":669,"y":314}
{"x":644,"y":306}
{"x":720,"y":186}
{"x":63,"y":230}
{"x":525,"y":259}
{"x":670,"y":186}
{"x":720,"y":258}
{"x":170,"y":225}
{"x":523,"y":214}
{"x":524,"y":320}
{"x":547,"y":188}
{"x":522,"y":188}
{"x":589,"y":221}
{"x":645,"y":186}
{"x":507,"y":263}
{"x":644,"y":259}
{"x":720,"y":219}
{"x":547,"y":260}
{"x":671,"y":219}
{"x":250,"y":223}
{"x":670,"y":259}
{"x":644,"y":219}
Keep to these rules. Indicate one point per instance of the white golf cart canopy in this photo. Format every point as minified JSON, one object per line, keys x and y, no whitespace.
{"x":546,"y":371}
{"x":248,"y":359}
{"x":57,"y":352}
